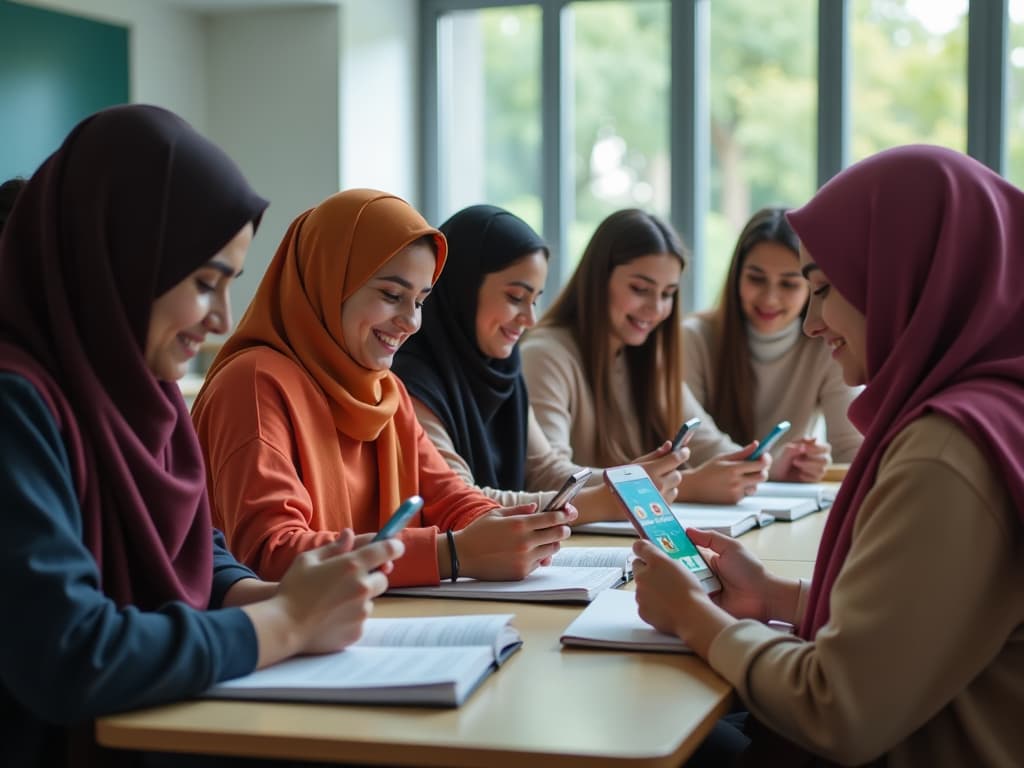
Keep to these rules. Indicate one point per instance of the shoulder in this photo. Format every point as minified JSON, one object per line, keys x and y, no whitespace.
{"x":939,"y":446}
{"x":21,"y":402}
{"x":697,"y":326}
{"x":548,"y":340}
{"x":258,"y":365}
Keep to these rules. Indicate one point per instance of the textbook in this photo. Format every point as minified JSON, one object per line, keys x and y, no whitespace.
{"x":822,"y":494}
{"x":612,"y":621}
{"x":788,"y":508}
{"x":432,"y":660}
{"x":576,"y":575}
{"x":730,"y":520}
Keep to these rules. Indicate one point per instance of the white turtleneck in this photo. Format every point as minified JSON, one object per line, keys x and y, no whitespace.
{"x":769,"y":347}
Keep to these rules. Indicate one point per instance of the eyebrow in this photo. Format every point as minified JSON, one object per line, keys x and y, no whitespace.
{"x":224,"y":269}
{"x":654,"y":282}
{"x":402,"y":282}
{"x":755,"y":268}
{"x":524,"y":285}
{"x":808,"y":268}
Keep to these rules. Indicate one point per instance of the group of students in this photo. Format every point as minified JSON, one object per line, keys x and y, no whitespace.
{"x":329,"y":404}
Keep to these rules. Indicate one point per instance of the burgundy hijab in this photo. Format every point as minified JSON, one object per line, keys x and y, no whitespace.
{"x":131,"y":204}
{"x":929,"y":245}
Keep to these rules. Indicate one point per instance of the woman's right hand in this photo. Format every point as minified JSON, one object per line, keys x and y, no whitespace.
{"x":508,"y":543}
{"x":664,"y":467}
{"x":323,"y":600}
{"x":749,"y":590}
{"x":725,"y":479}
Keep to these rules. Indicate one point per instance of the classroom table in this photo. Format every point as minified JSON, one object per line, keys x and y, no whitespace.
{"x":554,"y":706}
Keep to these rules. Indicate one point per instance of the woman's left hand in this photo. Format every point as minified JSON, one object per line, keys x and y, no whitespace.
{"x":802,"y":461}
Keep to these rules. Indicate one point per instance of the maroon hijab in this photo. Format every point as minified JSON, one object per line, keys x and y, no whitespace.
{"x":929,"y":245}
{"x":131,"y":204}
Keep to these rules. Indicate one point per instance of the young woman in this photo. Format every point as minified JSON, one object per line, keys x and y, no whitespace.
{"x":119,"y":594}
{"x":750,"y":366}
{"x":306,"y":430}
{"x":604,"y":367}
{"x":463,"y":370}
{"x":910,"y":648}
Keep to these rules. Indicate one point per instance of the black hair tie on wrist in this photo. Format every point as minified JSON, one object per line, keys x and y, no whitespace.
{"x":454,"y":556}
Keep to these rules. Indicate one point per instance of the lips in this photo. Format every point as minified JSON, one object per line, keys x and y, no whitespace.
{"x":388,"y":341}
{"x":512,"y":336}
{"x":190,"y":343}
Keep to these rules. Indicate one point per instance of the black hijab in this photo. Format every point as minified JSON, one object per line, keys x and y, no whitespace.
{"x":481,"y":401}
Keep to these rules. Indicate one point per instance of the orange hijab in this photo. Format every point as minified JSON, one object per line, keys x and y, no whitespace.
{"x":328,"y":253}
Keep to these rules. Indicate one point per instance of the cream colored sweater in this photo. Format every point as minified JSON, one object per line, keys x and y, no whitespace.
{"x":800,"y":386}
{"x":561,"y":398}
{"x":922,"y":660}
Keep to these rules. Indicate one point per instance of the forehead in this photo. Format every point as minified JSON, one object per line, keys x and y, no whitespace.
{"x":772,"y":257}
{"x":660,"y":268}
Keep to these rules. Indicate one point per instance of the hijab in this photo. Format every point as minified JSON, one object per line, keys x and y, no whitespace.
{"x":927,"y":244}
{"x":131,"y":204}
{"x":328,"y":253}
{"x":481,"y":401}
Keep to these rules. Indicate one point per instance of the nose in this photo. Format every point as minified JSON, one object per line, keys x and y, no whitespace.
{"x":219,"y":318}
{"x":813,"y":324}
{"x":408,"y":320}
{"x":529,"y":316}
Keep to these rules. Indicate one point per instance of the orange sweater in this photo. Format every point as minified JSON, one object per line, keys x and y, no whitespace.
{"x":283,"y":480}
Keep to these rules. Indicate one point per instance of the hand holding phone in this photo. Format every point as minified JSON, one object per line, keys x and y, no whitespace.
{"x":769,"y":440}
{"x":652,"y":517}
{"x":685,"y":433}
{"x":572,"y":486}
{"x":405,"y":512}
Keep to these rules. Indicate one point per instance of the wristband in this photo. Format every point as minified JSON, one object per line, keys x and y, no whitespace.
{"x":454,"y":556}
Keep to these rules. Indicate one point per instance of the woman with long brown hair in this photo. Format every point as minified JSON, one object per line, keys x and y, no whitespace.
{"x":604,"y":367}
{"x":748,"y":364}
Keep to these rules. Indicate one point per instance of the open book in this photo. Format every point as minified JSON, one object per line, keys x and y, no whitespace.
{"x":576,"y":575}
{"x":435,"y":660}
{"x":822,"y":494}
{"x":612,"y":621}
{"x":730,"y":520}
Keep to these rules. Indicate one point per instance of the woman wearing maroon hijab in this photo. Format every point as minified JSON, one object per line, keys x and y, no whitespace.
{"x":910,"y":641}
{"x":117,"y":592}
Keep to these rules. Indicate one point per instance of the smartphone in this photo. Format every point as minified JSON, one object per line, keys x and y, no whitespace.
{"x":573,"y":485}
{"x":406,"y":511}
{"x":685,"y":433}
{"x":652,"y":517}
{"x":769,"y":440}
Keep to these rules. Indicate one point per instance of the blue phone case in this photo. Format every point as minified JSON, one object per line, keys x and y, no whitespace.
{"x":405,"y":512}
{"x":769,"y":440}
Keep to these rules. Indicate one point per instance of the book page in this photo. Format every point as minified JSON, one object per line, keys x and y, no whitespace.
{"x":570,"y":583}
{"x":473,"y":629}
{"x":613,"y":621}
{"x":607,"y":557}
{"x":608,"y":527}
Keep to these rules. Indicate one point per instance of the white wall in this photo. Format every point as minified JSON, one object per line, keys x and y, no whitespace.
{"x":273,"y":105}
{"x":166,"y":49}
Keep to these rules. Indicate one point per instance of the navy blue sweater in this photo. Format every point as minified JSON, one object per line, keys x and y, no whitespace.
{"x":68,"y":653}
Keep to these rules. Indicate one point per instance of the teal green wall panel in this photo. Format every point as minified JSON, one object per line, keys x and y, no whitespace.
{"x":55,"y":69}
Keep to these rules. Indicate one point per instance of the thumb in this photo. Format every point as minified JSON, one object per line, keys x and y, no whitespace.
{"x":742,"y":453}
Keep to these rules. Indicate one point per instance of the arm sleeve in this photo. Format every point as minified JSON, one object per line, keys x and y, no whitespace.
{"x":442,"y":441}
{"x":708,"y":441}
{"x":835,"y":398}
{"x":98,"y":658}
{"x":226,"y":570}
{"x":554,"y":398}
{"x":696,"y":362}
{"x":903,"y":638}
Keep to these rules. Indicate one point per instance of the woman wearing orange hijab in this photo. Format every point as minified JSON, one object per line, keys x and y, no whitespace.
{"x":306,"y":431}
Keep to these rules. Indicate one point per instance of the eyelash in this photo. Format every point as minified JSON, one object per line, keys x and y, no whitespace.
{"x":394,"y":298}
{"x":822,"y":292}
{"x":204,"y":287}
{"x":645,"y":291}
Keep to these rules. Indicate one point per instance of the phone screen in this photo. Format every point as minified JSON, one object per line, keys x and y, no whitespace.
{"x":649,"y":509}
{"x":405,"y":512}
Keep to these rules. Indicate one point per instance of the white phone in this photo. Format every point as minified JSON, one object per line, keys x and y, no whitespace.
{"x":652,"y":517}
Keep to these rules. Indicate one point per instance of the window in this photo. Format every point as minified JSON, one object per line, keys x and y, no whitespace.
{"x":1015,"y":95}
{"x":489,"y":111}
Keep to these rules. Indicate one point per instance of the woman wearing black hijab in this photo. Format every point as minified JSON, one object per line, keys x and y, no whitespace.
{"x":463,"y":371}
{"x":118,"y":593}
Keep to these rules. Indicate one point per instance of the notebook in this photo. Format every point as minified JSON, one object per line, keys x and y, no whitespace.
{"x":822,"y":494}
{"x":730,"y":520}
{"x":576,"y":575}
{"x":432,"y":660}
{"x":612,"y":621}
{"x":788,"y":508}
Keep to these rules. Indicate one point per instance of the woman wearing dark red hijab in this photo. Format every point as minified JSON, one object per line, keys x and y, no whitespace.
{"x":116,"y":591}
{"x":910,"y":641}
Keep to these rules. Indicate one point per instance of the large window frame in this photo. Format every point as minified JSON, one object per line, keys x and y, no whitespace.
{"x":689,"y":143}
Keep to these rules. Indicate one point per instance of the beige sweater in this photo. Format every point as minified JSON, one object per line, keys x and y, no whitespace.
{"x":800,"y":386}
{"x":562,"y":400}
{"x":546,"y":469}
{"x":922,"y":660}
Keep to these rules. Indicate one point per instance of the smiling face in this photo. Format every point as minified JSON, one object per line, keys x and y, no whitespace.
{"x":838,"y":323}
{"x":771,"y":289}
{"x":384,"y":312}
{"x":506,"y":304}
{"x":641,"y":294}
{"x":198,"y":305}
